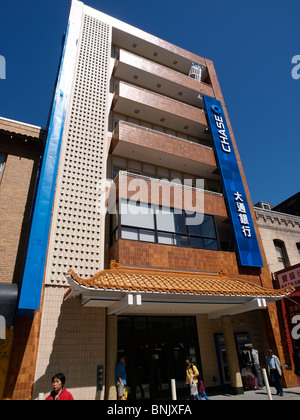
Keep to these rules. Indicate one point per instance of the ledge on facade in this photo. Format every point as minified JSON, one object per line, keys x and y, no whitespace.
{"x":22,"y":130}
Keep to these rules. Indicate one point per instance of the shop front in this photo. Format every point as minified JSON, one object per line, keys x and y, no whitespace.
{"x":290,"y":307}
{"x":155,"y":349}
{"x":157,"y":318}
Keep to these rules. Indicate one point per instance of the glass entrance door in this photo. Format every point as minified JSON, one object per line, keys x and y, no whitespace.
{"x":156,"y":348}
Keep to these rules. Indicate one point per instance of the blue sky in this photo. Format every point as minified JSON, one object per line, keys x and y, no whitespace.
{"x":250,"y":42}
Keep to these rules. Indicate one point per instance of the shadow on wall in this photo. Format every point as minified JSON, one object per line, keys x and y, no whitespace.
{"x":77,"y":349}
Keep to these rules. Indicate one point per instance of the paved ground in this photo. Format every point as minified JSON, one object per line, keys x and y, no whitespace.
{"x":260,"y":394}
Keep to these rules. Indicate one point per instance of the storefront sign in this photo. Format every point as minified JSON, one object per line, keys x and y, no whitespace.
{"x":291,"y":305}
{"x":247,"y":246}
{"x":289,"y":276}
{"x":291,"y":314}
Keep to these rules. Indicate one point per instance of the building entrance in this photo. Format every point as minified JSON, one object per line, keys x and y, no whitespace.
{"x":156,"y":348}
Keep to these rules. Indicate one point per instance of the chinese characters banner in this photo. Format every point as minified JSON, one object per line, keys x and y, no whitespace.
{"x":247,"y":246}
{"x":289,"y":276}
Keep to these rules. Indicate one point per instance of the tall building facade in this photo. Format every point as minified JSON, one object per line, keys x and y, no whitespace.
{"x":143,"y":238}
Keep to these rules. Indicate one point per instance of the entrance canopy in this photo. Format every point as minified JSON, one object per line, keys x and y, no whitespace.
{"x":124,"y":290}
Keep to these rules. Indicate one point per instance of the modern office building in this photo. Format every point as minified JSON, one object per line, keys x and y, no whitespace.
{"x":144,"y":238}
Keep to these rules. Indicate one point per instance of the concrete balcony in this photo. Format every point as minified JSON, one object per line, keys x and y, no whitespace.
{"x":143,"y":144}
{"x":157,"y":109}
{"x":160,"y":79}
{"x":169,"y":194}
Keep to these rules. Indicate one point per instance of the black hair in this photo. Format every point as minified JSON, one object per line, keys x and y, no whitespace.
{"x":61,"y":377}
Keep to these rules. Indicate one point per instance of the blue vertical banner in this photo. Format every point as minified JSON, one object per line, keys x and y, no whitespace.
{"x":32,"y":283}
{"x":34,"y":270}
{"x":247,"y":247}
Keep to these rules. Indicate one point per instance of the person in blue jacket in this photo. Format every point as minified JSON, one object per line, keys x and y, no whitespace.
{"x":121,"y":378}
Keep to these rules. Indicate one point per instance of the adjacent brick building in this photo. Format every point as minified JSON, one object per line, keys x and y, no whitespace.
{"x":280,"y":232}
{"x":21,"y":148}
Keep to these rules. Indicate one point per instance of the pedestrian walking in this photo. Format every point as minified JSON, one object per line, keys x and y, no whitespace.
{"x":192,"y":374}
{"x":275,"y":371}
{"x":248,"y":378}
{"x":256,"y":365}
{"x":121,"y":378}
{"x":296,"y":358}
{"x":202,"y":393}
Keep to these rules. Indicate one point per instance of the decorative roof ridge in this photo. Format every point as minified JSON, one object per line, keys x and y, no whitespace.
{"x":114,"y":266}
{"x":90,"y":283}
{"x":161,"y":271}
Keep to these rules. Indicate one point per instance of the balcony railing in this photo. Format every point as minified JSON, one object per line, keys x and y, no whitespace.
{"x":196,"y":140}
{"x":171,"y":194}
{"x":161,"y":79}
{"x":172,"y":183}
{"x":154,"y":108}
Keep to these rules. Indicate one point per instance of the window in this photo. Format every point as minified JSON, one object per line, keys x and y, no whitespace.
{"x":165,"y":219}
{"x":146,"y":235}
{"x":281,"y":253}
{"x":2,"y":164}
{"x":211,"y":244}
{"x":134,"y":167}
{"x":130,"y":233}
{"x":157,"y":224}
{"x":136,"y":215}
{"x":165,"y":238}
{"x":206,"y":228}
{"x":196,"y":242}
{"x":180,"y":225}
{"x":116,"y":170}
{"x":298,"y":247}
{"x":266,"y":206}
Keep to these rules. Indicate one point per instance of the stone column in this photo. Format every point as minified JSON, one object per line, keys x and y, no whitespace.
{"x":111,"y":357}
{"x":232,"y":357}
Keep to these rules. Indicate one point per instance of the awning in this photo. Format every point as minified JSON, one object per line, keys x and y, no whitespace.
{"x":8,"y":302}
{"x":147,"y":291}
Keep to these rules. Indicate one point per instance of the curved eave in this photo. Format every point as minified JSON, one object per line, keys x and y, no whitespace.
{"x":169,"y":283}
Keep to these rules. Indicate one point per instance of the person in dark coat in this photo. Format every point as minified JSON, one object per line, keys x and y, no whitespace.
{"x":296,"y":358}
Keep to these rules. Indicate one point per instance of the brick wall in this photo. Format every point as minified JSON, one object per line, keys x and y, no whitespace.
{"x":162,"y":143}
{"x":180,"y":258}
{"x":277,"y":226}
{"x":137,"y":62}
{"x":171,"y":196}
{"x":16,"y":192}
{"x":22,"y":145}
{"x":158,"y":102}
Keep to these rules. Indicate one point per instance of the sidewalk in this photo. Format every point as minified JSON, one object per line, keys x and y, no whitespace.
{"x":260,"y":394}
